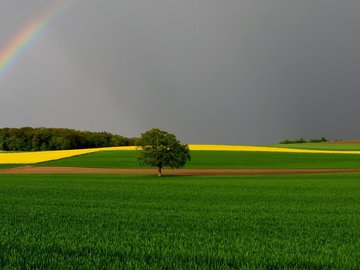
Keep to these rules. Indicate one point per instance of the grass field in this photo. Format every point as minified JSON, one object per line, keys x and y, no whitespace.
{"x":146,"y":222}
{"x":219,"y":159}
{"x":6,"y":166}
{"x":320,"y":146}
{"x":143,"y":222}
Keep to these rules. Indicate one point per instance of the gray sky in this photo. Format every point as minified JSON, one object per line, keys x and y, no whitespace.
{"x":210,"y":71}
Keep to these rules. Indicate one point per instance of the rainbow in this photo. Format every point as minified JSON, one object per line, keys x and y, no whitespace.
{"x":29,"y":32}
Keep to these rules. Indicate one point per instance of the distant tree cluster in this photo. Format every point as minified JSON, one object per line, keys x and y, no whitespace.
{"x":301,"y":140}
{"x":41,"y":139}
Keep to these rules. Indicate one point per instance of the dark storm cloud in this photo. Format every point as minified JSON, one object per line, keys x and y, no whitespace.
{"x":241,"y":71}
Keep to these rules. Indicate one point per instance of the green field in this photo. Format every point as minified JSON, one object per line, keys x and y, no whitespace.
{"x":179,"y":222}
{"x":321,"y":146}
{"x":7,"y":166}
{"x":146,"y":222}
{"x":219,"y":159}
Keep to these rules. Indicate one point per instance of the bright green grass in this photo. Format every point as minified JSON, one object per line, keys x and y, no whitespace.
{"x":218,"y":159}
{"x":145,"y":222}
{"x":7,"y":166}
{"x":321,"y":146}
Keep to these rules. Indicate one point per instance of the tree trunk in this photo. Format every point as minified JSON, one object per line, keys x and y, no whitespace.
{"x":159,"y":172}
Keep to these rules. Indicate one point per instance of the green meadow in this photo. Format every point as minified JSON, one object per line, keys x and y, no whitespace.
{"x":218,"y":159}
{"x":321,"y":146}
{"x":7,"y":166}
{"x":183,"y":222}
{"x":147,"y":222}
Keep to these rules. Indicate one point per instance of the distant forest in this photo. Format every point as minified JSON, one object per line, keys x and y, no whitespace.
{"x":41,"y":139}
{"x":301,"y":140}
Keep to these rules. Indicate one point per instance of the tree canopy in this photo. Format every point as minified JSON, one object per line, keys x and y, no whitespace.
{"x":40,"y":139}
{"x":162,"y":149}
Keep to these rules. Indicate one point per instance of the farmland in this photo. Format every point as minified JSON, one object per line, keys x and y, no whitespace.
{"x":219,"y":159}
{"x":321,"y":146}
{"x":242,"y":222}
{"x":5,"y":166}
{"x":183,"y":222}
{"x":43,"y":156}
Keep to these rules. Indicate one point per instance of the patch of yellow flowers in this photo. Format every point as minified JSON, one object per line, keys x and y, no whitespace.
{"x":209,"y":147}
{"x":36,"y":157}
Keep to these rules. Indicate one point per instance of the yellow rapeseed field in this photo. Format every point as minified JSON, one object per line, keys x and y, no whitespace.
{"x":210,"y":147}
{"x":35,"y":157}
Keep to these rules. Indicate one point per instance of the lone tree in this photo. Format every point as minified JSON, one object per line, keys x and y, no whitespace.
{"x":162,"y":149}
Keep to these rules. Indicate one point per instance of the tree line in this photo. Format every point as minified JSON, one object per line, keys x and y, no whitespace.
{"x":42,"y":139}
{"x":302,"y":140}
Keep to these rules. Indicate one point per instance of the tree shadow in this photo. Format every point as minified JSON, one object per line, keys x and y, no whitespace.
{"x":175,"y":176}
